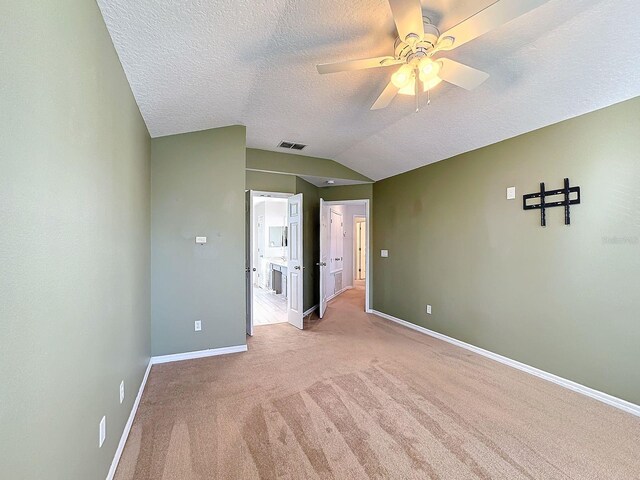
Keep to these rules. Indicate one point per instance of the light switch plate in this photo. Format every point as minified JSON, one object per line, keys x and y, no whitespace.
{"x":384,"y":253}
{"x":198,"y":325}
{"x":429,"y":309}
{"x":201,"y":240}
{"x":511,"y":193}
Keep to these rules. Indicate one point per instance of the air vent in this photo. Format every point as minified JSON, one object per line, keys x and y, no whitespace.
{"x":291,"y":145}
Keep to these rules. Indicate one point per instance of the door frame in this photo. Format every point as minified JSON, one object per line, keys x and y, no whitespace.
{"x":253,"y":194}
{"x":367,"y":213}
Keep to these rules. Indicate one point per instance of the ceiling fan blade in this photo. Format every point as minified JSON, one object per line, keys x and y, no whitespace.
{"x":461,"y":75}
{"x":388,"y":94}
{"x":351,"y":65}
{"x":407,"y":14}
{"x":484,"y":21}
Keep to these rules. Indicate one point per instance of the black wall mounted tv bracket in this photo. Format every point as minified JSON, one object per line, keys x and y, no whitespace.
{"x":566,"y":202}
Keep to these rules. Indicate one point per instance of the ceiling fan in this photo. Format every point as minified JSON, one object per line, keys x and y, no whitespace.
{"x":419,"y":41}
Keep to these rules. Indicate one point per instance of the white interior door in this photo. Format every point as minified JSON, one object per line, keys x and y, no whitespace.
{"x":248,"y":259}
{"x":324,"y":252}
{"x":337,"y":241}
{"x":295,"y":283}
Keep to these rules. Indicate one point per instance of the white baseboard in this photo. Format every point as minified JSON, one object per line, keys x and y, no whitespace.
{"x":211,"y":352}
{"x":348,"y":287}
{"x":571,"y":385}
{"x":311,"y":310}
{"x":154,"y":361}
{"x":127,"y":426}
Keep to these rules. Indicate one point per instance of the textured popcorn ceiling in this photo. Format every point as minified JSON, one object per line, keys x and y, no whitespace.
{"x":198,"y":64}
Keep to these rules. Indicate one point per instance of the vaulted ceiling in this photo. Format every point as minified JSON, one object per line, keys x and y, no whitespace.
{"x":196,"y":64}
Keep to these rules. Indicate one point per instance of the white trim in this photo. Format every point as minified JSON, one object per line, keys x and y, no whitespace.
{"x":211,"y":352}
{"x":344,"y":289}
{"x":265,"y":194}
{"x":127,"y":426}
{"x":571,"y":385}
{"x":310,"y":311}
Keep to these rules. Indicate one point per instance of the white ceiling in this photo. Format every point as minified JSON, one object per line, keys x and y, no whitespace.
{"x":195,"y":64}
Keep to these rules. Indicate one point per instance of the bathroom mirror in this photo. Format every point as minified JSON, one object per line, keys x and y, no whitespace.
{"x":277,"y":236}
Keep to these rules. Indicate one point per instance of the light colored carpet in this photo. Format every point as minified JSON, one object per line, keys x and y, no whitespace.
{"x":357,"y":397}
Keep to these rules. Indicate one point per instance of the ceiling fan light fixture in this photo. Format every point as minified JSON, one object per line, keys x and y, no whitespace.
{"x":428,"y":69}
{"x":429,"y":84}
{"x":410,"y":88}
{"x":402,"y":77}
{"x":425,"y":66}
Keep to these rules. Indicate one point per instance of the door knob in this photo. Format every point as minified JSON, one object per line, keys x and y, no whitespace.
{"x":254,"y":269}
{"x":297,"y":267}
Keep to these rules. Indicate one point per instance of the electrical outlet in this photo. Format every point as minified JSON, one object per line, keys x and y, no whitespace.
{"x":384,"y":253}
{"x":511,"y":193}
{"x":198,"y":325}
{"x":429,"y":309}
{"x":121,"y":391}
{"x":102,"y":435}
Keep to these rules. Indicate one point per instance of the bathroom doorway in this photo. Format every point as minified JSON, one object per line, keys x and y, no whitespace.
{"x":274,"y":257}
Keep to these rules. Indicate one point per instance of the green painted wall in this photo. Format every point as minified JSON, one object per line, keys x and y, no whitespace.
{"x":311,"y":238}
{"x":347,"y":192}
{"x":270,"y":182}
{"x":276,"y":162}
{"x":562,"y":298}
{"x":198,"y":190}
{"x":74,"y":242}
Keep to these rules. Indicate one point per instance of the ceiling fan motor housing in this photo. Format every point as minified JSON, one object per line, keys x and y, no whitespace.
{"x":421,"y":48}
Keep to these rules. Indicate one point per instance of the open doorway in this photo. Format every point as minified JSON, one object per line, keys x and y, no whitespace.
{"x":270,"y":241}
{"x":274,"y":259}
{"x":344,"y":250}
